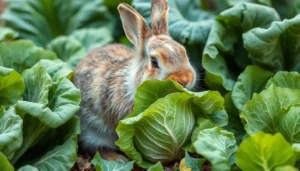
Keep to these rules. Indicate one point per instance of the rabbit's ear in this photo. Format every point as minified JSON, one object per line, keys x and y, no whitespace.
{"x":135,"y":26}
{"x":159,"y":15}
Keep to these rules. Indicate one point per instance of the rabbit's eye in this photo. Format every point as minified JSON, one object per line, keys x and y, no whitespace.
{"x":154,"y":62}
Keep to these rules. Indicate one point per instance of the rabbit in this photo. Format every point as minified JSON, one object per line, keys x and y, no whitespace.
{"x":109,"y":76}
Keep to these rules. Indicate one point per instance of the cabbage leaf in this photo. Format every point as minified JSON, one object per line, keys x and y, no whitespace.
{"x":43,"y":20}
{"x":163,"y":122}
{"x":249,"y":34}
{"x":260,"y":152}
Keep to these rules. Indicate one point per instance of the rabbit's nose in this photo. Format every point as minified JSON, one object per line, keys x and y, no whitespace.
{"x":183,"y":81}
{"x":182,"y":78}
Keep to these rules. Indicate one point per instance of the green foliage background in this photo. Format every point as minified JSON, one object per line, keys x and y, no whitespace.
{"x":250,"y":50}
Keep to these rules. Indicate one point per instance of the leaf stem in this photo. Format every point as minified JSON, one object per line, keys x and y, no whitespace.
{"x":26,"y":145}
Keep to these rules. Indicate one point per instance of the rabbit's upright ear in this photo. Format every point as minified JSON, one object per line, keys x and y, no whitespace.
{"x":159,"y":15}
{"x":135,"y":26}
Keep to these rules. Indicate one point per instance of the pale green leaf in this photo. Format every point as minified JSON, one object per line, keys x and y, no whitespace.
{"x":11,"y":86}
{"x":288,"y":123}
{"x":104,"y":165}
{"x":22,"y":54}
{"x":260,"y":152}
{"x":252,"y":80}
{"x":262,"y":111}
{"x":285,"y":79}
{"x":71,"y":49}
{"x":11,"y":136}
{"x":52,"y":104}
{"x":221,"y":152}
{"x":57,"y":69}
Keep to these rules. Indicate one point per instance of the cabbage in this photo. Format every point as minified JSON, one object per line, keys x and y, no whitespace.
{"x":163,"y":120}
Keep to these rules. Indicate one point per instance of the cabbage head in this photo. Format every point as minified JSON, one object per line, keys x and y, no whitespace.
{"x":164,"y":117}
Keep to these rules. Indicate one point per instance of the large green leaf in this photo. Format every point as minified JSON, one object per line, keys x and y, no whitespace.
{"x":22,"y":54}
{"x":149,"y":92}
{"x":45,"y":105}
{"x":235,"y":124}
{"x":10,"y":132}
{"x":104,"y":165}
{"x":57,"y":69}
{"x":52,"y":104}
{"x":57,"y":150}
{"x":285,"y":8}
{"x":285,"y":79}
{"x":288,"y":123}
{"x":43,"y":20}
{"x":11,"y":86}
{"x":4,"y":163}
{"x":262,"y":111}
{"x":260,"y":152}
{"x":221,"y":152}
{"x":162,"y":124}
{"x":62,"y":157}
{"x":68,"y":50}
{"x":252,"y":80}
{"x":73,"y":48}
{"x":277,"y":46}
{"x":249,"y":34}
{"x":202,"y":124}
{"x":168,"y":124}
{"x":7,"y":34}
{"x":93,"y":38}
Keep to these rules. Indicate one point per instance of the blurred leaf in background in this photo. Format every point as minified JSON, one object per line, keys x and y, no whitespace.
{"x":71,"y":49}
{"x":248,"y":34}
{"x":7,"y":34}
{"x":43,"y":20}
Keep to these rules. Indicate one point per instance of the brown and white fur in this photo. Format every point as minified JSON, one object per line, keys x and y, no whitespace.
{"x":108,"y":76}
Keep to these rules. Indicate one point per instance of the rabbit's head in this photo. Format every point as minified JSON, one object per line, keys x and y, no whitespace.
{"x":158,"y":56}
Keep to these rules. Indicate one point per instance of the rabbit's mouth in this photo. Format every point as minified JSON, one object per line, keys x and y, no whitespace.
{"x":184,"y":78}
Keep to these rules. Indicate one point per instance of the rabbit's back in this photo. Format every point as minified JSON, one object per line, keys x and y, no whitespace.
{"x":102,"y":77}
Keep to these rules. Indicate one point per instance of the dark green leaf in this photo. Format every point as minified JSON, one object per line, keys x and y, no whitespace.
{"x":194,"y":164}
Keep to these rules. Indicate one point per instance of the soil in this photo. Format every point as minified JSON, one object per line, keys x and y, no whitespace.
{"x":84,"y":164}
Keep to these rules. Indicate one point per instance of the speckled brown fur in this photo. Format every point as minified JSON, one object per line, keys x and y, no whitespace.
{"x":104,"y":70}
